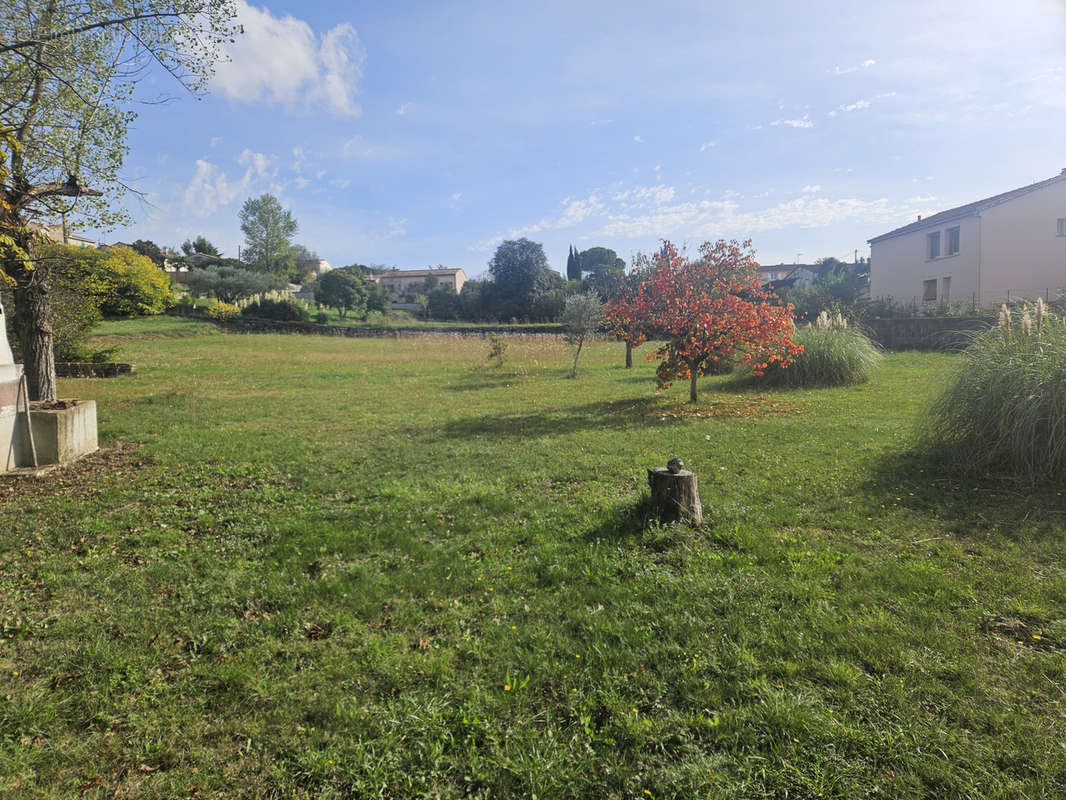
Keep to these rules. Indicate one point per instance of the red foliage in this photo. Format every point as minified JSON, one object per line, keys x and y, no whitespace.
{"x":710,"y":309}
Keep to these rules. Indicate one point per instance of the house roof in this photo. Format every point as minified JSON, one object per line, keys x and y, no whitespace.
{"x":975,"y":207}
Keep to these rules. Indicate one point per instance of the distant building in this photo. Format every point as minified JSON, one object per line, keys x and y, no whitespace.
{"x":317,"y":267}
{"x":1012,"y":243}
{"x":401,"y":281}
{"x":56,"y":234}
{"x":799,"y":275}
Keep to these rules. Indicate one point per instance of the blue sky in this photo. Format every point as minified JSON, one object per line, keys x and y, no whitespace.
{"x":413,"y":134}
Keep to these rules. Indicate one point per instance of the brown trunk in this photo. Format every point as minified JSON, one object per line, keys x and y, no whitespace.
{"x":695,"y":376}
{"x":33,"y":325}
{"x":629,"y":355}
{"x":676,"y":496}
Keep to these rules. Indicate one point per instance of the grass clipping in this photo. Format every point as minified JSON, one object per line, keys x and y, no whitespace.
{"x":833,"y":355}
{"x":1005,"y":410}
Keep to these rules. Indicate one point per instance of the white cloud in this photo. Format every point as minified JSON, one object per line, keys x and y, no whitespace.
{"x":709,"y":219}
{"x":838,"y":70}
{"x":341,"y":183}
{"x":301,"y":182}
{"x":574,"y":213}
{"x":280,"y":60}
{"x":397,"y":228}
{"x":793,"y":123}
{"x":403,"y":109}
{"x":457,"y":196}
{"x":299,"y":158}
{"x":812,"y":187}
{"x":858,"y":105}
{"x":638,"y":140}
{"x":645,"y":196}
{"x":211,"y":188}
{"x":708,"y":145}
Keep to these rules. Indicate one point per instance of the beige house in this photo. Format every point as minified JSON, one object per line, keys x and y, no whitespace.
{"x":1004,"y":247}
{"x":401,"y":281}
{"x":57,"y":234}
{"x":800,"y":274}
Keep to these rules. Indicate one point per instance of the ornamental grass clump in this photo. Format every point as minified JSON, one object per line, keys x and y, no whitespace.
{"x":833,"y":355}
{"x":1005,"y":410}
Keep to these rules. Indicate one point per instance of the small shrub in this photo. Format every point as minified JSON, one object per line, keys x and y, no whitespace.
{"x":281,"y":310}
{"x":322,"y":318}
{"x":833,"y":355}
{"x":1005,"y":410}
{"x":497,"y":349}
{"x":223,"y":311}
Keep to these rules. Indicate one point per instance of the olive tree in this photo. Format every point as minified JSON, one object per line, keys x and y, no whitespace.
{"x":68,"y":73}
{"x":582,"y":315}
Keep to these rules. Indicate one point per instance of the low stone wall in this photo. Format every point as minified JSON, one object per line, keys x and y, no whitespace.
{"x":88,"y":369}
{"x":926,"y":333}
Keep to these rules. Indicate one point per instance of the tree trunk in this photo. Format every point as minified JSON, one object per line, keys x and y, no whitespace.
{"x":629,"y":355}
{"x":573,"y":371}
{"x":676,"y":496}
{"x":33,"y":323}
{"x":694,"y":374}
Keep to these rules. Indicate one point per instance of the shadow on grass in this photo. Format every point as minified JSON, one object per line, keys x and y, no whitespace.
{"x":927,"y":483}
{"x":593,"y":416}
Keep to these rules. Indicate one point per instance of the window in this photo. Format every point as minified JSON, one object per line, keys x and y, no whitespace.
{"x":929,"y":291}
{"x":953,"y":241}
{"x":1062,"y":226}
{"x":945,"y":288}
{"x":933,"y":249}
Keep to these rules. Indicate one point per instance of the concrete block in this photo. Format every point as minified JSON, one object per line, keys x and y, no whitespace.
{"x":60,"y":435}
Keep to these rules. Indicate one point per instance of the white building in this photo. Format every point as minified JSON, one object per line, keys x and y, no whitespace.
{"x":1010,"y":245}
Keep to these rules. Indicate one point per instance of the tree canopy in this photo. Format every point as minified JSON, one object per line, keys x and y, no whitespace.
{"x":268,"y":231}
{"x":520,"y":273}
{"x":710,"y":309}
{"x":343,"y":290}
{"x":68,"y":71}
{"x":199,"y":245}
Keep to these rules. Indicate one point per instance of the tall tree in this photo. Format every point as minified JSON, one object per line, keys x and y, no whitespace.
{"x":68,"y":71}
{"x":520,"y":273}
{"x":268,"y":231}
{"x":573,"y":265}
{"x":605,"y":270}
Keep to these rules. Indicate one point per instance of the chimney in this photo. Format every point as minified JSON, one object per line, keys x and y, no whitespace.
{"x":1063,"y":171}
{"x":919,"y":217}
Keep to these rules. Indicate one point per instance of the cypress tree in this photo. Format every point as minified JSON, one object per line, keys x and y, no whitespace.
{"x":573,"y":265}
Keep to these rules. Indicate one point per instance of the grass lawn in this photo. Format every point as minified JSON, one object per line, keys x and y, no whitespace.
{"x":352,"y":568}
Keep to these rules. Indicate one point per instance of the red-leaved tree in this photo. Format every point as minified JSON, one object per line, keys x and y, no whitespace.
{"x":710,"y":309}
{"x":626,"y":313}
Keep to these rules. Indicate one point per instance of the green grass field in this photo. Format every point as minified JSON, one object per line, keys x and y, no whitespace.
{"x":350,"y":568}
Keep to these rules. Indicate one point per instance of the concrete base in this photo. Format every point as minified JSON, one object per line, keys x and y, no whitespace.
{"x":60,"y":435}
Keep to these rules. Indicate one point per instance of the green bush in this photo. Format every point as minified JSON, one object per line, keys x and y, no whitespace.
{"x":1005,"y":410}
{"x":833,"y":355}
{"x":282,"y":310}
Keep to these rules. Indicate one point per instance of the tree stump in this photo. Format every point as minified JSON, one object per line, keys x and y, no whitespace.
{"x":676,"y":495}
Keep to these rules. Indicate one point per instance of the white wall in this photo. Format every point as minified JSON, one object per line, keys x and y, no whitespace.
{"x":1020,"y":249}
{"x":900,"y":265}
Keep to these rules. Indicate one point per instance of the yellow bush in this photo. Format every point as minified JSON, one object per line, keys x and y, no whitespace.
{"x":220,"y":310}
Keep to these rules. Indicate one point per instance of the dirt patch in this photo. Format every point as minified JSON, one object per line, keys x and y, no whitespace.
{"x":80,"y":478}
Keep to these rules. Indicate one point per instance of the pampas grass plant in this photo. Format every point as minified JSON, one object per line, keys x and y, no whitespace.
{"x":1005,"y":410}
{"x":834,"y":354}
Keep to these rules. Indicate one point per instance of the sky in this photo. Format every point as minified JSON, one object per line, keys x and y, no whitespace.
{"x":413,"y":134}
